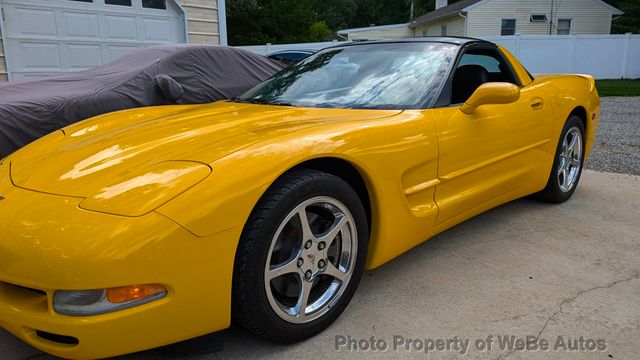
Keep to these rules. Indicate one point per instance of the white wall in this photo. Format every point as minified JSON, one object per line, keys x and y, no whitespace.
{"x":603,"y":56}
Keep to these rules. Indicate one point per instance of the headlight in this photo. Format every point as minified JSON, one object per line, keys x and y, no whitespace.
{"x":101,"y":301}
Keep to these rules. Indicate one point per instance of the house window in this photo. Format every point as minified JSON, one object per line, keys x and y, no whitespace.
{"x":425,"y":33}
{"x":443,"y":30}
{"x":118,"y":2}
{"x":508,"y":27}
{"x":564,"y":26}
{"x":538,"y":18}
{"x":154,"y":4}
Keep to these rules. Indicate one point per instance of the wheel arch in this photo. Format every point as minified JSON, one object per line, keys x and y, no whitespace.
{"x":346,"y":171}
{"x":589,"y":128}
{"x":581,"y":112}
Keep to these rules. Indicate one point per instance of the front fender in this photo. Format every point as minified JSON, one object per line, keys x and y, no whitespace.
{"x":394,"y":155}
{"x":227,"y":197}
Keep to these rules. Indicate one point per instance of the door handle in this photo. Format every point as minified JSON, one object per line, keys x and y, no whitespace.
{"x":537,"y":103}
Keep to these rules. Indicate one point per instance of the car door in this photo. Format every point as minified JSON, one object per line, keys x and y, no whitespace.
{"x":493,"y":154}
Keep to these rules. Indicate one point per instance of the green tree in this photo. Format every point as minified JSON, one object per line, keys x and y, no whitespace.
{"x":253,"y":22}
{"x":630,"y":21}
{"x":337,"y":14}
{"x":318,"y":31}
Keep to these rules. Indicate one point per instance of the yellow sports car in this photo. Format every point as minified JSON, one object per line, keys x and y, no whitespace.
{"x":146,"y":227}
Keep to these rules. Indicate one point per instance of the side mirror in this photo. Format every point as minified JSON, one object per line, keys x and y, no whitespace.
{"x":491,"y":93}
{"x":169,"y":87}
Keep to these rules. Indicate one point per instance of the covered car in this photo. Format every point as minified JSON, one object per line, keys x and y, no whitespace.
{"x":158,"y":75}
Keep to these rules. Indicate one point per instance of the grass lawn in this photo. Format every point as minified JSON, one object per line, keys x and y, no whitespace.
{"x":618,"y":87}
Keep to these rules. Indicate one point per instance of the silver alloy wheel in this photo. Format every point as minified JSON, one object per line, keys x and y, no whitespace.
{"x":570,"y":159}
{"x":311,"y":259}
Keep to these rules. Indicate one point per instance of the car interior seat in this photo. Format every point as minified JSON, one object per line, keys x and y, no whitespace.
{"x":466,"y":80}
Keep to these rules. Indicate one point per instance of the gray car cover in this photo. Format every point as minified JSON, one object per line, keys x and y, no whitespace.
{"x":158,"y":75}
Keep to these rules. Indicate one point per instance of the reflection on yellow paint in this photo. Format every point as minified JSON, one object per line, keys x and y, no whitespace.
{"x":151,"y":181}
{"x":96,"y":163}
{"x":139,"y":194}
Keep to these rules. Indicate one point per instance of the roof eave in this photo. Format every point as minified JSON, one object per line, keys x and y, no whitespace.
{"x":614,"y":10}
{"x":369,"y":28}
{"x":443,"y":16}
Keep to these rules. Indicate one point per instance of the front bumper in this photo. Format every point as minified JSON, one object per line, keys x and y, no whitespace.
{"x":47,"y":243}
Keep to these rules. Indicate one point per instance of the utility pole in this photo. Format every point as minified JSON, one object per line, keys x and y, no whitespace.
{"x":551,"y":20}
{"x":411,"y":11}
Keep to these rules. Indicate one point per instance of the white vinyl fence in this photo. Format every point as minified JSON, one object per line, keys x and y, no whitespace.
{"x":603,"y":56}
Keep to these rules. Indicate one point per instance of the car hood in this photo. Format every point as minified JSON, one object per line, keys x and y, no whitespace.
{"x":92,"y":155}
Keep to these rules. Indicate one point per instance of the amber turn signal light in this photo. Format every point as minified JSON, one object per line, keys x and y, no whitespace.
{"x":134,"y":292}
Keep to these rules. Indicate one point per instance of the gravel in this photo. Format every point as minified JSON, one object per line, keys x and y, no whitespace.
{"x":617,"y":147}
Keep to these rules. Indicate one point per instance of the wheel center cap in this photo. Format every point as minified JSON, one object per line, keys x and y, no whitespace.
{"x":310,"y":264}
{"x":311,"y":258}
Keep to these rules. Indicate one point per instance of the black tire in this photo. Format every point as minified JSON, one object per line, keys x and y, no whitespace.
{"x":251,"y":307}
{"x":552,"y":192}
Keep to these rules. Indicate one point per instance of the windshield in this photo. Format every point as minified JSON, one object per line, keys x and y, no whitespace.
{"x":371,"y":76}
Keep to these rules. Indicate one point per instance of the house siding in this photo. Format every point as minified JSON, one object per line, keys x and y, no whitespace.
{"x":380,"y":34}
{"x":3,"y":67}
{"x":587,"y":17}
{"x":455,"y":27}
{"x":202,"y":21}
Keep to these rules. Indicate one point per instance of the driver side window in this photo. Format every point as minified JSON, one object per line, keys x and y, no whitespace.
{"x":476,"y":67}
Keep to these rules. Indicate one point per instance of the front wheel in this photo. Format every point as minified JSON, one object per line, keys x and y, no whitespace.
{"x":300,"y":258}
{"x":568,"y":162}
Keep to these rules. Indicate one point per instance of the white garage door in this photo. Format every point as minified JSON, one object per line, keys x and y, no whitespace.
{"x":46,"y":37}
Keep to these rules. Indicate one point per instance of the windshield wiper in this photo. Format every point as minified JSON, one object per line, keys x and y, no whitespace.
{"x":261,"y":102}
{"x":237,"y":99}
{"x":278,"y":103}
{"x":328,"y":105}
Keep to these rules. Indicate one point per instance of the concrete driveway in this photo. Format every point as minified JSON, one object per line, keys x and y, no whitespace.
{"x":525,"y":268}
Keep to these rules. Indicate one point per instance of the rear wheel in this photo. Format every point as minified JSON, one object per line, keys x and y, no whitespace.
{"x":300,"y":258}
{"x":568,"y":162}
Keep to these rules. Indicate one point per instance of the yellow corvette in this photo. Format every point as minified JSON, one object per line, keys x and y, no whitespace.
{"x":146,"y":227}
